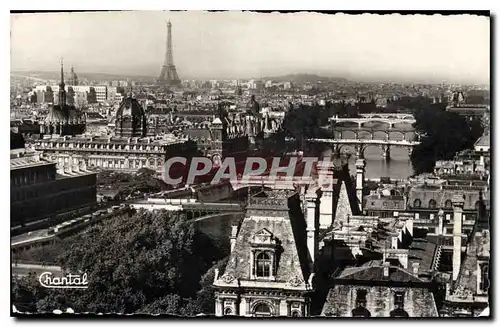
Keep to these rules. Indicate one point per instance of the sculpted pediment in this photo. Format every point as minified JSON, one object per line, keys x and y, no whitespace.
{"x":264,"y":236}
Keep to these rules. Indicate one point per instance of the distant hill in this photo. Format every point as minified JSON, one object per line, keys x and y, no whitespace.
{"x":304,"y":78}
{"x":91,"y":76}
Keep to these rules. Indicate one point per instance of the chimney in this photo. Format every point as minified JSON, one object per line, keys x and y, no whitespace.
{"x":234,"y":233}
{"x":360,"y":176}
{"x":458,"y":206}
{"x":394,"y":243}
{"x":386,"y":266}
{"x":312,"y":220}
{"x":440,"y":223}
{"x":403,"y":259}
{"x":415,"y":267}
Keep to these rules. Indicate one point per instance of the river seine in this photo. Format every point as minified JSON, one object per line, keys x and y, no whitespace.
{"x":399,"y":166}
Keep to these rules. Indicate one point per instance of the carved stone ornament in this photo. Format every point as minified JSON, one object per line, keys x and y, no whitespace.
{"x":295,"y":281}
{"x":463,"y":293}
{"x":228,"y":278}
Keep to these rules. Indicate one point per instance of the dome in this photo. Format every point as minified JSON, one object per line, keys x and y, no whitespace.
{"x":130,"y":118}
{"x":73,"y":79}
{"x":130,"y":107}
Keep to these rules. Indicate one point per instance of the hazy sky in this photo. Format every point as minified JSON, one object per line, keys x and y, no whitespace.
{"x":243,"y":45}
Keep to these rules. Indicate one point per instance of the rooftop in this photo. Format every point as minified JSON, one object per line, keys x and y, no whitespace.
{"x":22,"y":158}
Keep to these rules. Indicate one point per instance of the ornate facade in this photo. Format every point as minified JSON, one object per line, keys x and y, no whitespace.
{"x":113,"y":153}
{"x":270,"y":271}
{"x":130,"y":118}
{"x":63,"y":118}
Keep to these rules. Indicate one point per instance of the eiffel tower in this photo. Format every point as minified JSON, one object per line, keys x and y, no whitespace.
{"x":168,"y":75}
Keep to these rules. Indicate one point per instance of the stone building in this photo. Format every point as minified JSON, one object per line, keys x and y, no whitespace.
{"x":38,"y":190}
{"x":130,"y":118}
{"x":270,"y":271}
{"x":429,"y":199}
{"x":384,"y":203}
{"x":468,"y":291}
{"x":113,"y":153}
{"x":381,"y":290}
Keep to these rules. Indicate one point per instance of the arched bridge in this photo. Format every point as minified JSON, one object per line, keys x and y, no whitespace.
{"x":360,"y":145}
{"x":362,"y":121}
{"x":339,"y":132}
{"x":388,"y":116}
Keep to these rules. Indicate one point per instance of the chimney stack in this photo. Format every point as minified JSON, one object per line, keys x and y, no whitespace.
{"x":386,"y":266}
{"x":312,"y":197}
{"x":394,"y":243}
{"x":360,"y":176}
{"x":415,"y":266}
{"x":458,"y":206}
{"x":440,"y":222}
{"x":234,"y":233}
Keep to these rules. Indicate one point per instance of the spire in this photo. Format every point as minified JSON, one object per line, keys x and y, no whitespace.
{"x":62,"y":91}
{"x":62,"y":74}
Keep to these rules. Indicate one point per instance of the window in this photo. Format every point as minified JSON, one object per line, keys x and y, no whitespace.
{"x":361,"y":298}
{"x":399,"y":300}
{"x":448,"y":204}
{"x":263,"y":265}
{"x":399,"y":305}
{"x":432,"y":204}
{"x":417,"y":203}
{"x":228,"y":312}
{"x":262,"y":310}
{"x":485,"y":282}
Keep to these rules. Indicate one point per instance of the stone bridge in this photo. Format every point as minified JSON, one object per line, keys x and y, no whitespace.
{"x":361,"y":144}
{"x":388,"y":115}
{"x":340,"y":131}
{"x":362,"y":121}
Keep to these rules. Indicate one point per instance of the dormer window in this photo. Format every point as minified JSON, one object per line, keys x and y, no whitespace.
{"x":263,"y":264}
{"x":263,"y":256}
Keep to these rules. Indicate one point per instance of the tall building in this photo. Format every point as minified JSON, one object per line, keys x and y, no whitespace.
{"x":63,"y":118}
{"x":270,"y":268}
{"x":168,"y":74}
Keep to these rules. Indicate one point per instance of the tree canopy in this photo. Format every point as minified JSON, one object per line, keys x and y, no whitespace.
{"x":148,"y":262}
{"x":445,"y":134}
{"x":144,"y":180}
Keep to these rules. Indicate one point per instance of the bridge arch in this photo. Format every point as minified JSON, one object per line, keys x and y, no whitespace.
{"x":376,"y":120}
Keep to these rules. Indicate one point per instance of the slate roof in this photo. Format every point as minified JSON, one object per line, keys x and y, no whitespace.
{"x":425,"y":194}
{"x":376,"y":273}
{"x":467,"y":278}
{"x":272,"y":218}
{"x":422,"y":251}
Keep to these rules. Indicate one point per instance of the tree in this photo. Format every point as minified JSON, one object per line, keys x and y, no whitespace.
{"x":445,"y":133}
{"x":148,"y":261}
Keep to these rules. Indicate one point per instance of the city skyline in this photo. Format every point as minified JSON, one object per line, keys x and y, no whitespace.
{"x":235,"y":45}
